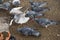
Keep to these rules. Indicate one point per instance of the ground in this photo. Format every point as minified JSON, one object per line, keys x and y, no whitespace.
{"x":51,"y":33}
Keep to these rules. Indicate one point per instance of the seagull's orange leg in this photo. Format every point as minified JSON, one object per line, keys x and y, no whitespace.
{"x":7,"y":38}
{"x":1,"y":36}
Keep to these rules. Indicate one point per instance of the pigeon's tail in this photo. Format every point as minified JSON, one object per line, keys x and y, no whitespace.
{"x":43,"y":4}
{"x":36,"y":33}
{"x":55,"y":22}
{"x":31,"y":1}
{"x":18,"y":30}
{"x":36,"y":19}
{"x":58,"y":23}
{"x":45,"y":10}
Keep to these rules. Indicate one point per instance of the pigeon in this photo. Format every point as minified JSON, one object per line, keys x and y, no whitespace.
{"x":37,"y":4}
{"x":16,"y":2}
{"x":12,"y":38}
{"x":45,"y":22}
{"x":1,"y":1}
{"x":6,"y":6}
{"x":28,"y":31}
{"x":41,"y":9}
{"x":33,"y":14}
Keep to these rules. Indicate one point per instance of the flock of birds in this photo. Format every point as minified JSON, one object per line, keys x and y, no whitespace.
{"x":37,"y":10}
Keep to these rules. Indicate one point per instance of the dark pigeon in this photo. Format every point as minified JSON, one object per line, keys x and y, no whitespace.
{"x":28,"y":31}
{"x":12,"y":38}
{"x":1,"y":1}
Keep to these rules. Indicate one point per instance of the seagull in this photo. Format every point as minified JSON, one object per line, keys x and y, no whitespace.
{"x":21,"y":19}
{"x":19,"y":16}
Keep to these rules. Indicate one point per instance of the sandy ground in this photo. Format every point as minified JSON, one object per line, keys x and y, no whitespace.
{"x":51,"y":33}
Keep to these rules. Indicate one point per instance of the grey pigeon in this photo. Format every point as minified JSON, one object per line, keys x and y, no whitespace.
{"x":28,"y":31}
{"x":37,"y":4}
{"x":40,"y":9}
{"x":45,"y":22}
{"x":33,"y":14}
{"x":5,"y":5}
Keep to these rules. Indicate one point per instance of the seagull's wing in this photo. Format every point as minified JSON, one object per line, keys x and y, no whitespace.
{"x":19,"y":8}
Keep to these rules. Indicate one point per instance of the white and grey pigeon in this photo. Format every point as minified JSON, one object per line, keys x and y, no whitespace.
{"x":45,"y":22}
{"x":16,"y":2}
{"x":27,"y":31}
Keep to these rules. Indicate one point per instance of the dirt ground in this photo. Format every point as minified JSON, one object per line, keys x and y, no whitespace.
{"x":51,"y":33}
